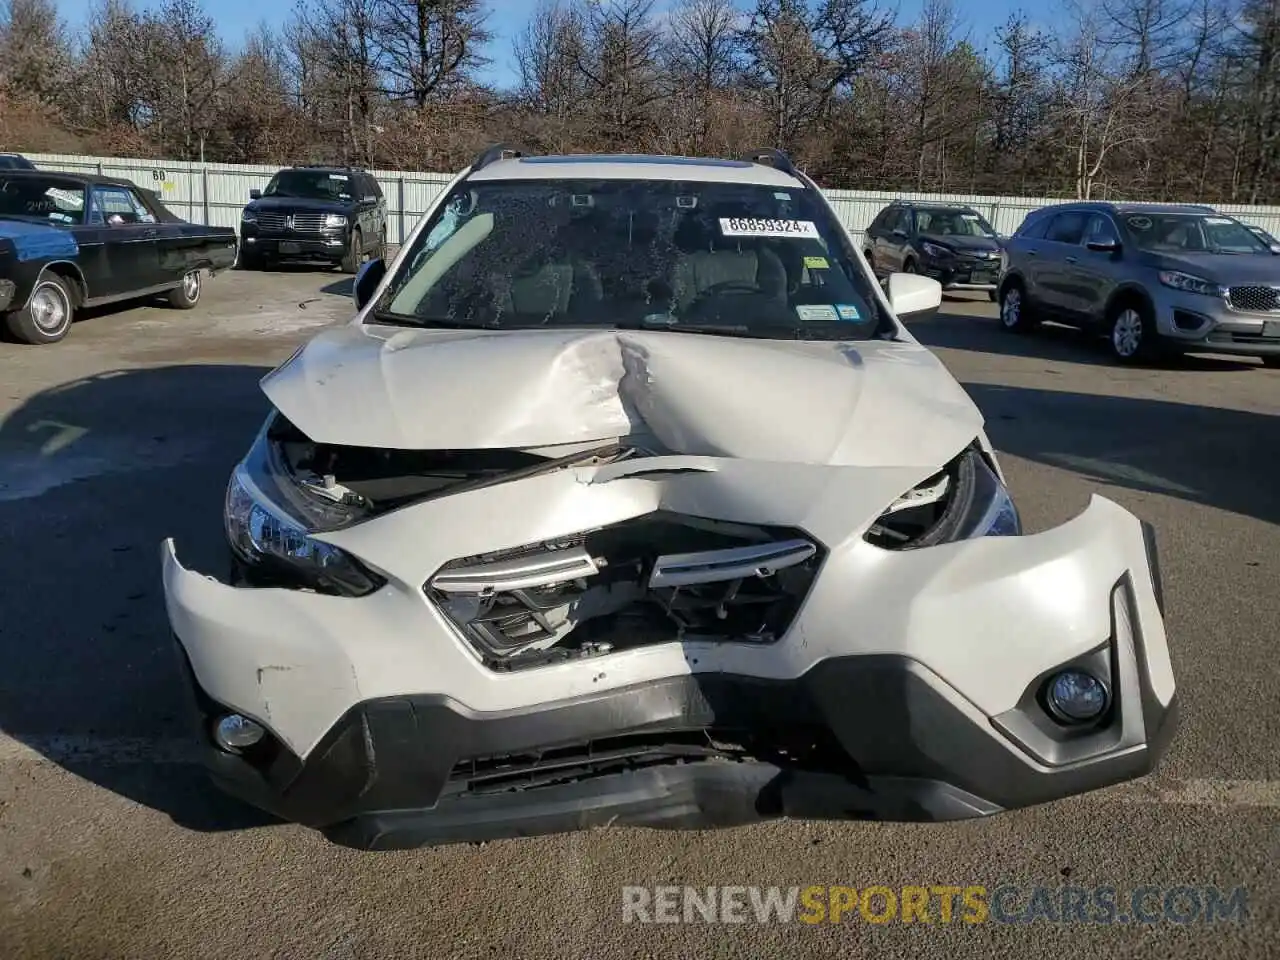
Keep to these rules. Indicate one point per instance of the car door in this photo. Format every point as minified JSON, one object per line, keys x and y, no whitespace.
{"x":122,"y":257}
{"x":1059,"y":254}
{"x":871,"y":236}
{"x":1093,"y":275}
{"x":890,"y":240}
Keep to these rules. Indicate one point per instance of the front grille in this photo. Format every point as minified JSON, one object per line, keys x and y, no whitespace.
{"x":1256,"y":299}
{"x":312,"y":223}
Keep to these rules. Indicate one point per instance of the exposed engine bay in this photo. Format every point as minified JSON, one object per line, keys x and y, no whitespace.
{"x":653,"y":579}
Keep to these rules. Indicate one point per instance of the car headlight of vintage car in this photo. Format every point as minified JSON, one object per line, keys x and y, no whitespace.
{"x":270,"y":517}
{"x":335,"y":221}
{"x":965,"y":499}
{"x":1189,"y":283}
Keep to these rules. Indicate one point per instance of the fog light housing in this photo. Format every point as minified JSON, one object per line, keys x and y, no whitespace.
{"x":234,"y":733}
{"x":1075,"y":697}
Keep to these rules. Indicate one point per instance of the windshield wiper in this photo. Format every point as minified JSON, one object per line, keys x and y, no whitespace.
{"x":387,"y":318}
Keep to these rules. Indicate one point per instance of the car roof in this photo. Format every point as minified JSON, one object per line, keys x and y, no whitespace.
{"x":85,"y":178}
{"x":634,"y":167}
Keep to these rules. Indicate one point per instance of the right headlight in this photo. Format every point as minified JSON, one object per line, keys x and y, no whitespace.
{"x":963,"y":500}
{"x":933,"y":250}
{"x":1189,"y":283}
{"x":269,"y":519}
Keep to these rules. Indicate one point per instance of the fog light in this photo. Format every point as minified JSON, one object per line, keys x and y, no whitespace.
{"x":235,"y":733}
{"x":1074,"y":696}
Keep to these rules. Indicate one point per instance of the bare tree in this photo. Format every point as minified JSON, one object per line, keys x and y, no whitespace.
{"x":430,"y":47}
{"x":620,"y":62}
{"x":34,"y":55}
{"x":800,"y":55}
{"x":547,"y":53}
{"x":702,"y":60}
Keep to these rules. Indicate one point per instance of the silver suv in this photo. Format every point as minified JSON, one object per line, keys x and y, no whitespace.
{"x":1153,"y":278}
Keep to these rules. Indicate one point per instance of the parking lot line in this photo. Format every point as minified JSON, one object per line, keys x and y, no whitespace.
{"x":124,"y":751}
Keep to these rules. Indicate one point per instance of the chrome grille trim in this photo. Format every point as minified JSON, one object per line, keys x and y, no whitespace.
{"x":303,"y":223}
{"x":1254,"y":298}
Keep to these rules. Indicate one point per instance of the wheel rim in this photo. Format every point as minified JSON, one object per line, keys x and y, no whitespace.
{"x":49,"y":308}
{"x":1011,"y":309}
{"x":191,"y":285}
{"x":1126,"y":334}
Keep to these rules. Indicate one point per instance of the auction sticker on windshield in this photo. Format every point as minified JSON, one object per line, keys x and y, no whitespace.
{"x":745,"y":227}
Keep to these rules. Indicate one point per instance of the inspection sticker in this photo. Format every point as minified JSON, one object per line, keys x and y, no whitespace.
{"x":1218,"y":221}
{"x":815,"y":312}
{"x":338,"y":176}
{"x":847,"y":311}
{"x":816,"y":263}
{"x":749,"y":227}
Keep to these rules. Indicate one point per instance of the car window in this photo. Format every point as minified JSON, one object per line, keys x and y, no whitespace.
{"x":42,"y":198}
{"x":118,"y":205}
{"x":747,"y":259}
{"x":374,"y":187}
{"x":1101,"y":230}
{"x":953,"y":223}
{"x":1193,"y":233}
{"x":310,"y":185}
{"x":1033,"y":226}
{"x":1066,"y":228}
{"x":892,"y":219}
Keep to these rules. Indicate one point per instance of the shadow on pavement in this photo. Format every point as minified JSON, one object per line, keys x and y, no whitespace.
{"x":953,"y":331}
{"x":340,"y":288}
{"x":1207,"y":455}
{"x":94,"y":474}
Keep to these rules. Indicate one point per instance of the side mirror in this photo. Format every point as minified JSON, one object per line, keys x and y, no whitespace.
{"x":913,"y":297}
{"x":1275,"y":248}
{"x":255,"y":194}
{"x":367,"y":281}
{"x":899,"y":234}
{"x":1103,"y":246}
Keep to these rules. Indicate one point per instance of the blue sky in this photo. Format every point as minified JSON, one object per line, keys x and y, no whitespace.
{"x":507,"y":18}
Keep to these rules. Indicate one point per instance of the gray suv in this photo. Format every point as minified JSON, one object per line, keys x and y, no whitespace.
{"x":1153,"y":278}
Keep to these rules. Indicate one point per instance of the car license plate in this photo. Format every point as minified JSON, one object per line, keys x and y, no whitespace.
{"x":287,"y":246}
{"x":1271,"y":328}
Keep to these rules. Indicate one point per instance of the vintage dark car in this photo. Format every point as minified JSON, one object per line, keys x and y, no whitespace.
{"x":69,"y":241}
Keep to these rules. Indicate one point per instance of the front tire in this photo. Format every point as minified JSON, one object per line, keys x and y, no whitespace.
{"x":47,"y":316}
{"x":355,"y":253}
{"x":187,"y":295}
{"x":1015,"y":311}
{"x":1131,"y":333}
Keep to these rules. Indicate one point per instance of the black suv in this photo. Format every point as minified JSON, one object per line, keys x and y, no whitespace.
{"x":315,"y":213}
{"x":952,"y":243}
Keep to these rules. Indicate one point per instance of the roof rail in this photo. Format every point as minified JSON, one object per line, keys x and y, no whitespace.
{"x":770,"y":157}
{"x":499,"y":151}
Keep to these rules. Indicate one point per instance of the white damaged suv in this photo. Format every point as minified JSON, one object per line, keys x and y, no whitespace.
{"x":628,"y":498}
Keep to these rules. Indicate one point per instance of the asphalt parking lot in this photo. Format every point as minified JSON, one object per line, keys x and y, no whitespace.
{"x":111,"y":846}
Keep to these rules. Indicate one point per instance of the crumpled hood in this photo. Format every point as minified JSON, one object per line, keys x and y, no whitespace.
{"x":867,"y":403}
{"x":35,"y":241}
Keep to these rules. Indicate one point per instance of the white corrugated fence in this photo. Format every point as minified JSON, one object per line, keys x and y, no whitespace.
{"x":216,"y":192}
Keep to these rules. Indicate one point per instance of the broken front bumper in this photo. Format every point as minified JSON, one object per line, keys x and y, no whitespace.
{"x":911,"y":680}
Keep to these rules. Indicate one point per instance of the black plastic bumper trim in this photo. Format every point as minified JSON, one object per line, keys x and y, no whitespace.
{"x":912,"y":750}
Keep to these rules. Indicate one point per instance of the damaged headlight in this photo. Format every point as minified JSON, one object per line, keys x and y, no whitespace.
{"x":269,"y":520}
{"x":963,"y":500}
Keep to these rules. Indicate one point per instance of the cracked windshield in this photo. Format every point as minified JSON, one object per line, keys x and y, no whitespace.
{"x":731,"y":259}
